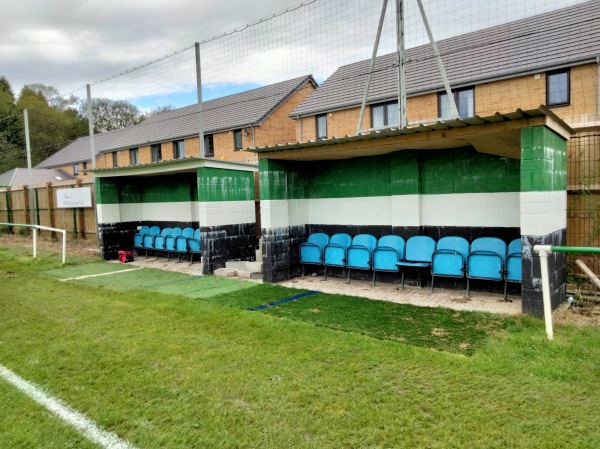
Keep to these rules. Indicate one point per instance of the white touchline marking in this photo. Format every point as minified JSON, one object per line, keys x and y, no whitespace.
{"x":88,"y":428}
{"x":101,"y":274}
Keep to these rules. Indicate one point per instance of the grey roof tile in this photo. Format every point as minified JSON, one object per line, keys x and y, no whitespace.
{"x":20,"y":176}
{"x":221,"y":114}
{"x":559,"y":38}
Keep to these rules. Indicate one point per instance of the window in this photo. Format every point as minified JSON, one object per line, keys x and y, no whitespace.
{"x":209,"y":145}
{"x":558,"y":88}
{"x":156,"y":153}
{"x":133,"y":156}
{"x":75,"y":169}
{"x":85,"y":168}
{"x":178,"y":149}
{"x":237,"y":139}
{"x":386,"y":114}
{"x":465,"y":102}
{"x":115,"y":159}
{"x":321,"y":126}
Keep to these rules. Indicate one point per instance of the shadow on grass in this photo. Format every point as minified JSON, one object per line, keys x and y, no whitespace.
{"x":436,"y":328}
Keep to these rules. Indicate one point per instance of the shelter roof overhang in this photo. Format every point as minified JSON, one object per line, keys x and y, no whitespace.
{"x":173,"y":167}
{"x":498,"y":134}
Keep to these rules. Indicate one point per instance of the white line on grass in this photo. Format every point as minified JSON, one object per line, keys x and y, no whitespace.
{"x":101,"y":274}
{"x":88,"y":428}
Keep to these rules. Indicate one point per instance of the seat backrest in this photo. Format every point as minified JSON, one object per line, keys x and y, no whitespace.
{"x":453,"y":243}
{"x":395,"y":242}
{"x":514,"y":247}
{"x":175,"y":232}
{"x":341,"y":239}
{"x":366,"y":240}
{"x":166,"y":231}
{"x":144,"y":230}
{"x":321,"y":239}
{"x":197,"y":234}
{"x":154,"y":230}
{"x":187,"y":232}
{"x":419,"y":248}
{"x":493,"y":244}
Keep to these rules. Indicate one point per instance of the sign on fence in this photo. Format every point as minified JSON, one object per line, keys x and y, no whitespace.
{"x":77,"y":197}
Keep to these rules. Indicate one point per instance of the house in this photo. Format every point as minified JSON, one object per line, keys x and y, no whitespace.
{"x":522,"y":89}
{"x":253,"y":118}
{"x":549,"y":59}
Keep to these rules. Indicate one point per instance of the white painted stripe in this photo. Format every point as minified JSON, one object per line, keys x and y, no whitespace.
{"x":543,"y":213}
{"x":101,"y":274}
{"x":221,"y":213}
{"x":108,"y":213}
{"x":274,"y":214}
{"x":471,"y":209}
{"x":465,"y":210}
{"x":86,"y":427}
{"x":169,"y":211}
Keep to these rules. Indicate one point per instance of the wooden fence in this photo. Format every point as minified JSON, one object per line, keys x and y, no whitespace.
{"x":19,"y":203}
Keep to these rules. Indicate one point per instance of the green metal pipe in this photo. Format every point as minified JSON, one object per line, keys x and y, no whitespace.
{"x":575,"y":249}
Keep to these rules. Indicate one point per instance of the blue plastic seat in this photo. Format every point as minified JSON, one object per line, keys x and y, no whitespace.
{"x":194,"y":246}
{"x":311,"y":251}
{"x":514,"y":263}
{"x":486,"y":260}
{"x":387,"y":254}
{"x":159,"y":240}
{"x":138,"y":237}
{"x":449,"y":258}
{"x":418,"y":253}
{"x":181,"y":245}
{"x":360,"y":253}
{"x":335,"y":252}
{"x":170,"y":241}
{"x":148,"y":239}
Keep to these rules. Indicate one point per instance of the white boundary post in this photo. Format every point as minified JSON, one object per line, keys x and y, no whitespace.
{"x":543,"y":251}
{"x":43,"y":228}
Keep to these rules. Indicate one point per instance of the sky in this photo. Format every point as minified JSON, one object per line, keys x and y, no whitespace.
{"x":70,"y":43}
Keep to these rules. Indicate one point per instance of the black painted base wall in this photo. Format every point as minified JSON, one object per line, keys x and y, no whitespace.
{"x":113,"y":237}
{"x":532,"y":278}
{"x":280,"y":250}
{"x":227,"y":243}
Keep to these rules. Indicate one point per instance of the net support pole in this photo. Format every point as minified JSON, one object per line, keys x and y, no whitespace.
{"x":438,"y":58}
{"x":90,"y":117}
{"x":29,"y":170}
{"x":401,"y":62}
{"x":371,"y":66}
{"x":200,"y":109}
{"x":543,"y":251}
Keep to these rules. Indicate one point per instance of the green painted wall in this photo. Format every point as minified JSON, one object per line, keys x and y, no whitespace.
{"x":402,"y":173}
{"x":543,"y":160}
{"x":107,"y":191}
{"x":155,"y":189}
{"x":215,"y":184}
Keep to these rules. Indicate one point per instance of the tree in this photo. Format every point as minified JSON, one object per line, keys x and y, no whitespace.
{"x":50,"y":127}
{"x":112,"y":114}
{"x":11,"y":130}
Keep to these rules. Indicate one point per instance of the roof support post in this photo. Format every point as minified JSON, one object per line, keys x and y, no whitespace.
{"x":401,"y":62}
{"x":373,"y":57}
{"x":438,"y":58}
{"x":200,"y":112}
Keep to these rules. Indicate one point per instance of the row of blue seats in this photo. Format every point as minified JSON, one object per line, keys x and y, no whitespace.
{"x":487,"y":258}
{"x":168,"y":240}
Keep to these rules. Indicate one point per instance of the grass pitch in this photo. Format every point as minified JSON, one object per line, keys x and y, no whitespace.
{"x":169,"y":370}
